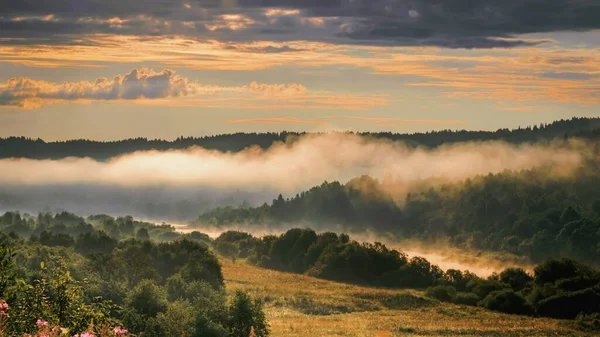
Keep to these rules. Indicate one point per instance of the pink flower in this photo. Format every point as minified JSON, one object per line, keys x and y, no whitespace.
{"x":41,"y":323}
{"x":3,"y":305}
{"x":120,"y":332}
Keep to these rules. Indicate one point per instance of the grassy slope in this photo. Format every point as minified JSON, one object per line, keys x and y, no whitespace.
{"x":299,"y":305}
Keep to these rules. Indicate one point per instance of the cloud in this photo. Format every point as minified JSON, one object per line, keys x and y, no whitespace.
{"x":324,"y":120}
{"x":566,"y":75}
{"x":521,"y":108}
{"x":275,"y":120}
{"x":136,"y":85}
{"x":448,"y":24}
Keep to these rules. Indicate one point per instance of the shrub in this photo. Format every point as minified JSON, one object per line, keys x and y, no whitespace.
{"x":482,"y":287}
{"x":569,"y":305}
{"x":466,"y":299}
{"x":507,"y":301}
{"x":442,"y":293}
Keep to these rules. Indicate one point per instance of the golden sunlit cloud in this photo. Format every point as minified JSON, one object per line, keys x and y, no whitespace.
{"x":531,"y":74}
{"x":139,"y":84}
{"x":325,"y":120}
{"x":276,"y":120}
{"x":519,"y":108}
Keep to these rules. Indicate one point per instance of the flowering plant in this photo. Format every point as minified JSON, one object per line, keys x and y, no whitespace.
{"x":45,"y":329}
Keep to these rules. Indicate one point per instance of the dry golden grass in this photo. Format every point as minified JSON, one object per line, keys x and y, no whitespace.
{"x":299,"y":305}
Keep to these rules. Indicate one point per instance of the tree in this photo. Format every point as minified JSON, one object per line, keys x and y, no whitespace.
{"x":516,"y":278}
{"x":178,"y":320}
{"x":245,"y":315}
{"x":7,"y":268}
{"x":142,"y":234}
{"x":147,"y":299}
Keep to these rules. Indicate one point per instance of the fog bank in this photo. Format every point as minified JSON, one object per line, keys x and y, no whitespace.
{"x":201,"y":178}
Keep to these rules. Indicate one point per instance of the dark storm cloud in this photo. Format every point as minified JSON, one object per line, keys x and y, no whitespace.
{"x":445,"y":23}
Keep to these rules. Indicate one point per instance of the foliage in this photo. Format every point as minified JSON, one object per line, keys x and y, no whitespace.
{"x":507,"y":301}
{"x":246,"y":315}
{"x":442,"y":293}
{"x":154,"y":288}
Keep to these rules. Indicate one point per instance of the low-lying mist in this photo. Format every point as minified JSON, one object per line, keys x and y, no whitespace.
{"x":201,"y":178}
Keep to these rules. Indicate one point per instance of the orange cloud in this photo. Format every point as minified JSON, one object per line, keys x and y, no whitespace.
{"x":388,"y":120}
{"x":275,"y":120}
{"x":522,"y":74}
{"x":310,"y":101}
{"x":381,"y":121}
{"x":519,"y":108}
{"x":142,"y":84}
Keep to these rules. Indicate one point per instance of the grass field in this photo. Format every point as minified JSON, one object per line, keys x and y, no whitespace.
{"x":299,"y":305}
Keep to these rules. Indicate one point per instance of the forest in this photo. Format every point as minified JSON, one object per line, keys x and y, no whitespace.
{"x":107,"y":276}
{"x":521,"y":213}
{"x":63,"y":276}
{"x":22,"y":147}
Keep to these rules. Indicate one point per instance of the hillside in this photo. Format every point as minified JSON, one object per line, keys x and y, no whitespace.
{"x":520,"y":213}
{"x":299,"y":305}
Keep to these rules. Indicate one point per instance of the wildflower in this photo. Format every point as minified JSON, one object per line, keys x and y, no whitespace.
{"x":41,"y":323}
{"x":3,"y":305}
{"x":120,"y":332}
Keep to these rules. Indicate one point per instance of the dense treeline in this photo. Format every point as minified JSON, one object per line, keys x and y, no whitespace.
{"x":558,"y":288}
{"x":61,"y":229}
{"x":521,"y":213}
{"x":100,"y":273}
{"x":175,"y":287}
{"x":39,"y":149}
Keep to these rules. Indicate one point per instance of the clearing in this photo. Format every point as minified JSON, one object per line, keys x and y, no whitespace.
{"x":299,"y":305}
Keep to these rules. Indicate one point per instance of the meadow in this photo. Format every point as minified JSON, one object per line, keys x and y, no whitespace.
{"x":299,"y":305}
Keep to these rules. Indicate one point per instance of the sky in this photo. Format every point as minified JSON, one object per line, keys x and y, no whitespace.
{"x":108,"y":69}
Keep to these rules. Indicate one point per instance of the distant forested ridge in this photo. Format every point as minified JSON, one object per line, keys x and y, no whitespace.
{"x":40,"y":149}
{"x":522,"y":213}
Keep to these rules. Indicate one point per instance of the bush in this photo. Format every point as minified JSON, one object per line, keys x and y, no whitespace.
{"x":442,"y":293}
{"x":466,"y":299}
{"x":507,"y":301}
{"x":589,"y":322}
{"x":570,"y":305}
{"x":482,"y":287}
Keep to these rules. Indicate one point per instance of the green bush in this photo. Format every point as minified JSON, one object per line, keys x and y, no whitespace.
{"x":466,"y":299}
{"x":569,"y":305}
{"x":507,"y":301}
{"x":442,"y":293}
